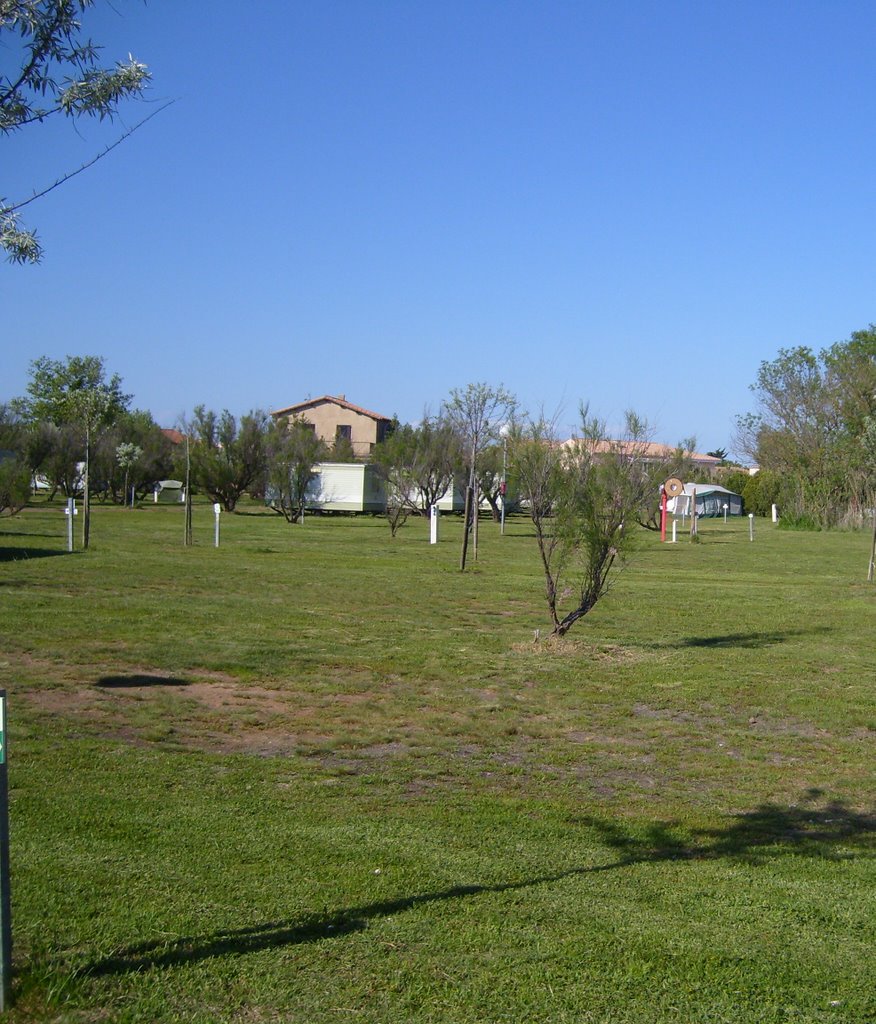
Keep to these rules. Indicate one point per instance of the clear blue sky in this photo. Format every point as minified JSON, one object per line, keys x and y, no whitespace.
{"x":629,"y":203}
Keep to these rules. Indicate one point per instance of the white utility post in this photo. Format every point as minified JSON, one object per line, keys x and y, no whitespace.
{"x":504,"y":431}
{"x":70,"y":511}
{"x":751,"y":526}
{"x":434,"y":516}
{"x":217,"y":511}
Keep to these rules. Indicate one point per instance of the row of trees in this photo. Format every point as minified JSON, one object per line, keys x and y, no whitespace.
{"x":584,"y":498}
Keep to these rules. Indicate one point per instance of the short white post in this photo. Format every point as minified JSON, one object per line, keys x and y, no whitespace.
{"x":155,"y":496}
{"x":775,"y":514}
{"x":751,"y":526}
{"x":434,"y":516}
{"x":217,"y":511}
{"x":725,"y":512}
{"x":674,"y":526}
{"x":70,"y":511}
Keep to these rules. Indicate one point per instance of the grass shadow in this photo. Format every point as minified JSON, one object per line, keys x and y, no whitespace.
{"x":24,"y":554}
{"x":139,"y":679}
{"x":813,"y":828}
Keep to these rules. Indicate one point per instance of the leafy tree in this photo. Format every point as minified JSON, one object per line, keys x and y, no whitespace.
{"x":53,"y":70}
{"x":39,"y":442}
{"x":583,"y":500}
{"x":13,"y":429}
{"x":477,"y":413}
{"x":811,"y":414}
{"x":155,"y":462}
{"x":341,"y":450}
{"x":868,"y":445}
{"x":227,"y":458}
{"x":763,"y":490}
{"x":736,"y":481}
{"x":489,"y":482}
{"x":14,"y":485}
{"x":293,"y":449}
{"x":15,"y":475}
{"x":56,"y":453}
{"x":76,"y":393}
{"x":419,"y":463}
{"x":128,"y":455}
{"x":719,"y":453}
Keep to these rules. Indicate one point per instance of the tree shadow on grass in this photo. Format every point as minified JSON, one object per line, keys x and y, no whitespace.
{"x":761,"y":638}
{"x":24,"y":554}
{"x":813,"y":828}
{"x":139,"y":679}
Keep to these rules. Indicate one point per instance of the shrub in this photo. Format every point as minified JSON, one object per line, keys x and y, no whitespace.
{"x":14,"y":486}
{"x":801,"y":522}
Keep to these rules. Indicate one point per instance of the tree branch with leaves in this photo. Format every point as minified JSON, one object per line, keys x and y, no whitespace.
{"x":54,"y":71}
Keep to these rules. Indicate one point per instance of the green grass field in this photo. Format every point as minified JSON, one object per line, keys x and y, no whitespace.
{"x":320,"y":775}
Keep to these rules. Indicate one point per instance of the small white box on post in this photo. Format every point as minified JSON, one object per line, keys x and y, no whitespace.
{"x":217,"y":511}
{"x":434,"y":516}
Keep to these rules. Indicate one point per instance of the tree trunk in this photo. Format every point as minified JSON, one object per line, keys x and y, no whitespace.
{"x":872,"y":553}
{"x":465,"y":522}
{"x":188,"y":509}
{"x":86,"y":492}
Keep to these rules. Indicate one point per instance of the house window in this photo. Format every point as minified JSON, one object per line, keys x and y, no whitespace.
{"x":344,"y":432}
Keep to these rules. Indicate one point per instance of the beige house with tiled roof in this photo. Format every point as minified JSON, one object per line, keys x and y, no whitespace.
{"x":333,"y":418}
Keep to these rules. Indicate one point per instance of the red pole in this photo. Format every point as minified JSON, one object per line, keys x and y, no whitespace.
{"x":662,"y":516}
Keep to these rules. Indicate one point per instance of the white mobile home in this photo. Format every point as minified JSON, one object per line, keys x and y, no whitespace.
{"x":346,"y":487}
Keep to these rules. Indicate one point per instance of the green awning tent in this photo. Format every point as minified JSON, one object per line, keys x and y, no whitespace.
{"x":711,"y":500}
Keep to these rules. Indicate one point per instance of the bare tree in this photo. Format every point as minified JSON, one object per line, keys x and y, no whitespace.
{"x":477,"y":412}
{"x":418,"y":463}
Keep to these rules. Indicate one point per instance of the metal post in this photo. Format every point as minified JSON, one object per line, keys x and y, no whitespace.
{"x":662,"y":514}
{"x":504,"y":488}
{"x":751,"y":526}
{"x":872,"y":551}
{"x":5,"y":900}
{"x":71,"y":511}
{"x":693,"y":512}
{"x":217,"y":509}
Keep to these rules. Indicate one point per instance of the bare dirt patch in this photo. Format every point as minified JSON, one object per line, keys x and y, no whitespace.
{"x":197,"y":710}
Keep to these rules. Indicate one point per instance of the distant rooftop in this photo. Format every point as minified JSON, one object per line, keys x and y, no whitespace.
{"x":340,"y":400}
{"x":641,"y":449}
